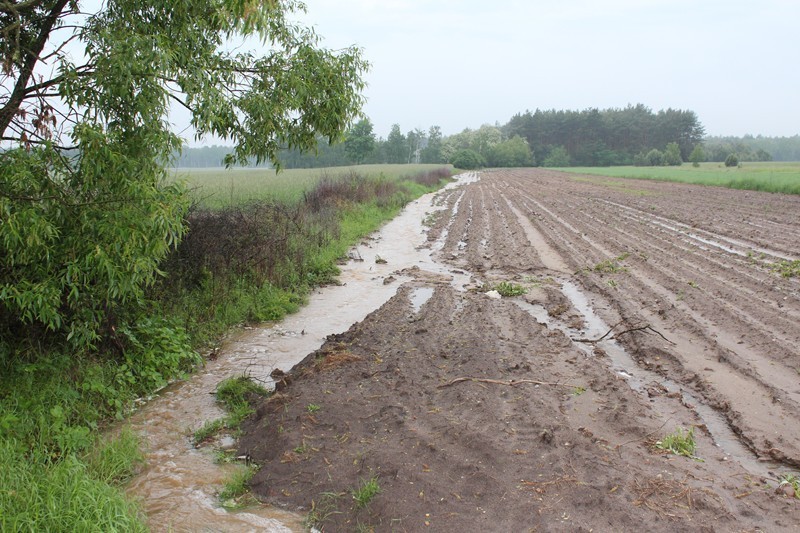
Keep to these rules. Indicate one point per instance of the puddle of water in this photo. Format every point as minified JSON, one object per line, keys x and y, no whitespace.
{"x":438,"y":245}
{"x":638,"y":378}
{"x":178,"y":486}
{"x":420,"y":297}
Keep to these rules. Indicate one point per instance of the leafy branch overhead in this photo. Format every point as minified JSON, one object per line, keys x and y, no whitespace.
{"x":85,"y":101}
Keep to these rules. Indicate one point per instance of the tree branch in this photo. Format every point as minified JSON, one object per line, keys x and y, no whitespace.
{"x":17,"y":7}
{"x":8,"y":111}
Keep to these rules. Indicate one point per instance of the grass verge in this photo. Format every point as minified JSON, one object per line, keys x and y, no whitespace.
{"x":766,"y":177}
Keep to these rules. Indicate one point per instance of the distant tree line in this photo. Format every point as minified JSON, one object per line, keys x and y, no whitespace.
{"x":594,"y":137}
{"x":634,"y":135}
{"x":750,"y":148}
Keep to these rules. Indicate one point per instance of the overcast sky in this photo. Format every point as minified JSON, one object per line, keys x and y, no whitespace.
{"x":461,"y":64}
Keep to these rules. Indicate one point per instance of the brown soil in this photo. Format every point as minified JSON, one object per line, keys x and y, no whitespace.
{"x":472,"y":415}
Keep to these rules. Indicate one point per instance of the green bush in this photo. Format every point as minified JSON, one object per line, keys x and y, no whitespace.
{"x":732,"y":160}
{"x":513,"y":152}
{"x":467,"y":159}
{"x":655,"y":158}
{"x":81,"y":241}
{"x":672,"y":155}
{"x":558,"y":158}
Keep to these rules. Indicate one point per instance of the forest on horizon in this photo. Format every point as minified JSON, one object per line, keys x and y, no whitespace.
{"x":590,"y":137}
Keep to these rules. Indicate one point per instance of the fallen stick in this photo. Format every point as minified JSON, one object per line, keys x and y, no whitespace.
{"x":646,"y":327}
{"x":509,"y":383}
{"x":607,"y":333}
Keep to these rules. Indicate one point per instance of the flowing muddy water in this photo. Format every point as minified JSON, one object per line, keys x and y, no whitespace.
{"x":178,"y":486}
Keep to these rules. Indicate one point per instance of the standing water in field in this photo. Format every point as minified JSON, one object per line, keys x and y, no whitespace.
{"x":178,"y":486}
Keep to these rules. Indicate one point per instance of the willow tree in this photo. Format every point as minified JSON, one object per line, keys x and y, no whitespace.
{"x":85,"y":103}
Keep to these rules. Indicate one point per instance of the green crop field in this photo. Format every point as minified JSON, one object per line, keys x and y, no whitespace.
{"x":220,"y":187}
{"x":781,"y":177}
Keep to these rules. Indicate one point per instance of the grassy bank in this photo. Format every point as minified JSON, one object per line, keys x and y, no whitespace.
{"x":768,"y":177}
{"x":219,"y":187}
{"x":246,"y":261}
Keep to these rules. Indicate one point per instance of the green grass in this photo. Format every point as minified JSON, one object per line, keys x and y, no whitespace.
{"x":234,"y":395}
{"x":220,"y":187}
{"x":59,"y":471}
{"x":114,"y":460}
{"x":788,"y":269}
{"x":60,"y":497}
{"x":777,"y":177}
{"x":681,"y":442}
{"x":366,"y":491}
{"x":791,"y":480}
{"x":236,"y":487}
{"x":66,"y":495}
{"x":508,"y":289}
{"x":612,"y":266}
{"x":322,"y":508}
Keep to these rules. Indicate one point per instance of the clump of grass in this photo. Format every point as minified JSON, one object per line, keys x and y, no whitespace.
{"x":787,"y":269}
{"x":681,"y":442}
{"x":115,"y":460}
{"x":508,"y":289}
{"x":59,"y":496}
{"x":611,"y":266}
{"x":323,"y":509}
{"x":235,"y":493}
{"x":793,"y":481}
{"x":208,"y":430}
{"x":313,"y":407}
{"x":234,"y":394}
{"x":366,"y":491}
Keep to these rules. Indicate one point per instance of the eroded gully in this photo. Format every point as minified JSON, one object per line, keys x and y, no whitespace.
{"x":178,"y":486}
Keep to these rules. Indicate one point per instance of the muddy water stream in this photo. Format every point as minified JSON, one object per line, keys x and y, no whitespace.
{"x":178,"y":486}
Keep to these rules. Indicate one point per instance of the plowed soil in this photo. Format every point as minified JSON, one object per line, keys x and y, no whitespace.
{"x":477,"y":413}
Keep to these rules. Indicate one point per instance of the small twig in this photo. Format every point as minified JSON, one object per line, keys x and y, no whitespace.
{"x":510,"y":383}
{"x":604,"y":336}
{"x":660,"y":335}
{"x":646,"y":327}
{"x":645,"y":437}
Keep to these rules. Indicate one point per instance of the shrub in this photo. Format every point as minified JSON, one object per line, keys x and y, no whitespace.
{"x":655,"y":158}
{"x":672,"y":155}
{"x":698,"y":155}
{"x":558,"y":157}
{"x":431,"y":178}
{"x":468,"y":159}
{"x":732,"y":160}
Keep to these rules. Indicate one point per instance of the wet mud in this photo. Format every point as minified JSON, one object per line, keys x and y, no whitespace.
{"x":649,"y":307}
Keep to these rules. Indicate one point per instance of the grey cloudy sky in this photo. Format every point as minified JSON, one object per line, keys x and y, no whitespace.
{"x":460,"y":64}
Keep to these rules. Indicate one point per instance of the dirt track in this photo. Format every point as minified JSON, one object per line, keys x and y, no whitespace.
{"x":558,"y":434}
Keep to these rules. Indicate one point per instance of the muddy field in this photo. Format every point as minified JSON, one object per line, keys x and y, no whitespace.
{"x":649,"y":307}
